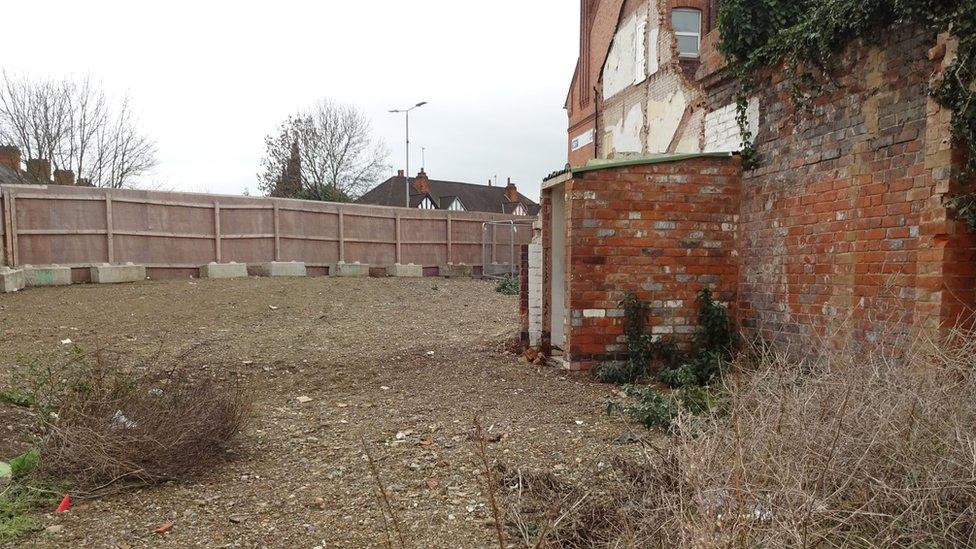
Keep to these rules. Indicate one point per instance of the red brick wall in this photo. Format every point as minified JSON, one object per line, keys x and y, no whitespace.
{"x":662,"y":230}
{"x":842,"y":231}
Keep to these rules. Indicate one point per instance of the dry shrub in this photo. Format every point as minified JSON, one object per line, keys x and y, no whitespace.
{"x":104,"y":425}
{"x":838,"y":452}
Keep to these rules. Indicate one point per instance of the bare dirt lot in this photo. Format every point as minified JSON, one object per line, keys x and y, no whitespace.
{"x":404,"y":365}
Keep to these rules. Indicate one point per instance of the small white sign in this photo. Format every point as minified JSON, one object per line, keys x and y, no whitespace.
{"x":582,"y":140}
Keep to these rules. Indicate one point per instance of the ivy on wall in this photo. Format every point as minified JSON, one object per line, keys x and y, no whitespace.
{"x":809,"y":35}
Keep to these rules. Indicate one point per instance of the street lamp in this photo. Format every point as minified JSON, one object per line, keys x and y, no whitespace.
{"x":407,"y":178}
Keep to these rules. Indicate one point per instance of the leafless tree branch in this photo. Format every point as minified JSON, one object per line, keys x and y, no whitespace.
{"x":338,"y":155}
{"x":77,"y":127}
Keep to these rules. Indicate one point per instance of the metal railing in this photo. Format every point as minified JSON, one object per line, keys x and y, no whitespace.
{"x":500,"y":247}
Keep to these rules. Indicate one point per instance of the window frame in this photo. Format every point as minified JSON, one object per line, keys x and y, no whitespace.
{"x":697,"y":35}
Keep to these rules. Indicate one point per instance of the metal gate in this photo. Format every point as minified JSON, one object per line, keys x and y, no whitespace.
{"x":500,"y":245}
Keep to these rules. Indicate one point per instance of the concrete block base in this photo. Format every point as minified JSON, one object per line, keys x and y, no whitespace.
{"x":47,"y":275}
{"x":11,"y":280}
{"x":405,"y":271}
{"x":116,"y":274}
{"x":223,"y":270}
{"x":455,"y":271}
{"x":498,"y":269}
{"x":277,"y":268}
{"x":349,"y":270}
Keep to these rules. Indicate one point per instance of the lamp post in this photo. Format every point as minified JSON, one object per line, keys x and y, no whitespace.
{"x":406,"y":181}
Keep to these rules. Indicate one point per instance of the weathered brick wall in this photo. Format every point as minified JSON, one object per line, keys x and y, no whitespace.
{"x":842,"y":230}
{"x":663,"y":230}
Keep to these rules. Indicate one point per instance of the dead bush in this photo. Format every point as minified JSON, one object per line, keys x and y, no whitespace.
{"x":104,"y":425}
{"x":837,"y":452}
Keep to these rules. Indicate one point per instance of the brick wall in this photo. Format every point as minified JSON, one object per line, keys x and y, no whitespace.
{"x":663,"y":230}
{"x":843,"y":232}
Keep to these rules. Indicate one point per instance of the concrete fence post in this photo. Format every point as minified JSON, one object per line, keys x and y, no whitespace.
{"x":109,"y":236}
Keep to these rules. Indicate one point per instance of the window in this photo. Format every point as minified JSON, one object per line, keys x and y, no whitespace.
{"x":686,"y":23}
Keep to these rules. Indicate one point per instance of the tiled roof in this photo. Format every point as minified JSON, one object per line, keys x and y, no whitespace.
{"x":474,"y":197}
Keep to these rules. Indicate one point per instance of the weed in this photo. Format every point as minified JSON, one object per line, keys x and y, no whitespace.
{"x":103,"y":425}
{"x":689,"y":375}
{"x":847,"y":450}
{"x":508,"y":285}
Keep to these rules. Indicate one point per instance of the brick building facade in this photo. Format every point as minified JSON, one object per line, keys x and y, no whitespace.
{"x":840,"y":232}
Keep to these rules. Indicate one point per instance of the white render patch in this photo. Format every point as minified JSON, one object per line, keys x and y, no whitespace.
{"x":663,"y":119}
{"x":625,"y":64}
{"x":653,"y":65}
{"x":722,"y":130}
{"x":625,"y":134}
{"x":594,"y":313}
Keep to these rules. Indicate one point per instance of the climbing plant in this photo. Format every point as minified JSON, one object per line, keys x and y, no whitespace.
{"x":808,"y":36}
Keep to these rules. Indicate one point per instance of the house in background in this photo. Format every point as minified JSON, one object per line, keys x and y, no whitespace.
{"x":433,"y":194}
{"x":38,"y":171}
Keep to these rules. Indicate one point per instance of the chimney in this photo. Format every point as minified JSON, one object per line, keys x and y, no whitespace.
{"x":421,"y":183}
{"x":10,"y":157}
{"x":64,"y":177}
{"x":399,"y":173}
{"x":39,"y":169}
{"x":511,"y":192}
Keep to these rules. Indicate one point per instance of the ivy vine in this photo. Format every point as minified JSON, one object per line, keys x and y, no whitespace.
{"x":807,"y":36}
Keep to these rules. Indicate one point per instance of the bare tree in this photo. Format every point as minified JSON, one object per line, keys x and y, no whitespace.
{"x":339,"y":157}
{"x":77,"y":127}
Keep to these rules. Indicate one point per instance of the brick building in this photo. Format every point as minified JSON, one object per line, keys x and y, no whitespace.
{"x":840,"y":232}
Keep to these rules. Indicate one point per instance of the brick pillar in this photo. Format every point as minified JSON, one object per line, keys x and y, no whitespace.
{"x":524,"y":295}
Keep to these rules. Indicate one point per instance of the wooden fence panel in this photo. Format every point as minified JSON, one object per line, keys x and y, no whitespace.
{"x":174,"y":232}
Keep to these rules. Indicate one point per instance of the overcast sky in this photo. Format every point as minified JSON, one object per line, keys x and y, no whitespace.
{"x":209,"y":79}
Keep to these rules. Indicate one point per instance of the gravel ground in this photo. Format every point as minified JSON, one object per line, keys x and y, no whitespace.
{"x":404,"y":365}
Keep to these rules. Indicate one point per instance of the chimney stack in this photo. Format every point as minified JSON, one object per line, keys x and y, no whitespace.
{"x":39,"y":169}
{"x":399,"y":173}
{"x":64,"y":177}
{"x":10,"y":157}
{"x":511,"y":191}
{"x":421,"y":183}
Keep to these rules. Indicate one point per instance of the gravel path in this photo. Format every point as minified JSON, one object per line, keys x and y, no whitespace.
{"x":402,"y":365}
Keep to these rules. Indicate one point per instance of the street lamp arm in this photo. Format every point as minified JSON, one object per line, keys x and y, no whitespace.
{"x":406,"y":179}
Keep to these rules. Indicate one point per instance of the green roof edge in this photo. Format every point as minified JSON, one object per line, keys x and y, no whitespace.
{"x":651,"y":160}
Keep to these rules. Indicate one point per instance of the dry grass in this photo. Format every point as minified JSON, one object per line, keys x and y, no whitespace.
{"x":838,"y":452}
{"x":104,"y":426}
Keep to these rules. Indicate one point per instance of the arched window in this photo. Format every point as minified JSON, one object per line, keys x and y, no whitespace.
{"x":686,"y":24}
